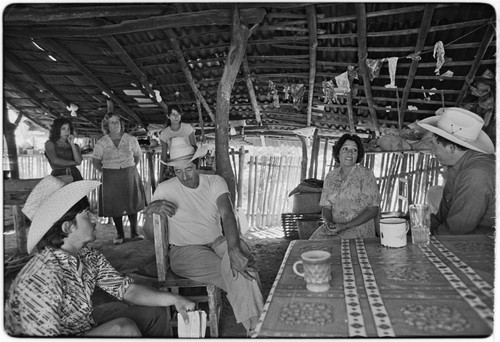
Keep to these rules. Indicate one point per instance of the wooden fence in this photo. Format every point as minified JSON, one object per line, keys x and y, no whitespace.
{"x":265,"y":176}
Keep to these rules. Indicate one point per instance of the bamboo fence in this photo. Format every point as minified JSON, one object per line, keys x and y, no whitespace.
{"x":264,"y":179}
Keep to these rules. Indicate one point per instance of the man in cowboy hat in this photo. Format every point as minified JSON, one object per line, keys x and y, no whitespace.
{"x":195,"y":204}
{"x":51,"y":296}
{"x":468,"y":202}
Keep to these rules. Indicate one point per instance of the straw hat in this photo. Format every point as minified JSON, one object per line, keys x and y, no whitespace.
{"x":461,"y":127}
{"x":49,"y":200}
{"x":182,"y":153}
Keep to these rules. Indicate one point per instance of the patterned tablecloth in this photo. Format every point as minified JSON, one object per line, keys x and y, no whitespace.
{"x":443,"y":289}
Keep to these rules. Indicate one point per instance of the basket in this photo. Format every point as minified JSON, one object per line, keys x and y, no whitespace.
{"x":289,"y":222}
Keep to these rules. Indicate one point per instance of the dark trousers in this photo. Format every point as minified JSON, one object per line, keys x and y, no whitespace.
{"x":151,"y":320}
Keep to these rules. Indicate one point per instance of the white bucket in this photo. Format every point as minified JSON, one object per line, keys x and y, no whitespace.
{"x":393,"y":232}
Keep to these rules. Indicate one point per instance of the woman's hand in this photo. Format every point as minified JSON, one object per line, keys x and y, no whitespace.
{"x":334,"y":228}
{"x":71,"y":139}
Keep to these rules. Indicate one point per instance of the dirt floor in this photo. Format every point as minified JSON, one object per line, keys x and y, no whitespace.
{"x":268,"y":246}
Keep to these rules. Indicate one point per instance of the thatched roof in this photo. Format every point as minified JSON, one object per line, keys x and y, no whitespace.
{"x":142,"y":58}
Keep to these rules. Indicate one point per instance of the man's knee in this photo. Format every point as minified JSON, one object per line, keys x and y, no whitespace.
{"x":124,"y":327}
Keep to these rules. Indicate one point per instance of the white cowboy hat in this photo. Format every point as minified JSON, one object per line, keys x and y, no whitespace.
{"x":461,"y":127}
{"x":49,"y":200}
{"x":182,"y":153}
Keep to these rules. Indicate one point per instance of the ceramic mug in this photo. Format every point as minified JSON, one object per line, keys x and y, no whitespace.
{"x":393,"y":232}
{"x":317,"y":272}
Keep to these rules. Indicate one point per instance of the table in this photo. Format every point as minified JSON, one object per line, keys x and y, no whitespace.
{"x":442,"y":289}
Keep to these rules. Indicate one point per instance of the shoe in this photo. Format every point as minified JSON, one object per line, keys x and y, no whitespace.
{"x":137,"y":237}
{"x":118,"y":240}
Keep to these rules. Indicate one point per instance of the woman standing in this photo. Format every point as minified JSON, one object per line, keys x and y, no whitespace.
{"x":116,"y":155}
{"x":62,"y":152}
{"x":175,"y":129}
{"x":350,"y":198}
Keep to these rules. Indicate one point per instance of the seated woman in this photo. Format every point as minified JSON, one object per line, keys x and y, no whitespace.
{"x":350,"y":199}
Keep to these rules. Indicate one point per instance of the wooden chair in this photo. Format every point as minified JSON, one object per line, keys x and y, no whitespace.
{"x":169,"y":281}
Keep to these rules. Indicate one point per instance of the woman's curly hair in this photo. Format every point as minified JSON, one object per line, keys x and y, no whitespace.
{"x":55,"y":128}
{"x":338,"y":145}
{"x":105,"y":123}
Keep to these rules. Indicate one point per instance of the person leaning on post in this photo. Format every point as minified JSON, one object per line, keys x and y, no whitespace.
{"x":459,"y":143}
{"x":51,"y":296}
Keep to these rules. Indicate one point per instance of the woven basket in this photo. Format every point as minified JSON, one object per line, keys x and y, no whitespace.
{"x":289,"y":221}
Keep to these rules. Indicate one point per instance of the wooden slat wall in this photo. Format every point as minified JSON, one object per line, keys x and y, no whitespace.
{"x":266,"y":179}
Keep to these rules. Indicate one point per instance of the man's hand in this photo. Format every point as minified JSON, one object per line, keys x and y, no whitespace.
{"x":242,"y":261}
{"x":161,"y":207}
{"x":183,"y":305}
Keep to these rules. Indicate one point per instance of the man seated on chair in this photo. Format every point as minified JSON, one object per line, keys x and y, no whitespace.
{"x":195,"y":204}
{"x":468,"y":201}
{"x":51,"y":296}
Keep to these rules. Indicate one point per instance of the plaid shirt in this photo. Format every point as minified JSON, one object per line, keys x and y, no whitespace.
{"x":51,"y":297}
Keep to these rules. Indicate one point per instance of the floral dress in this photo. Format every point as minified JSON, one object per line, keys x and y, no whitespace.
{"x":347,"y":199}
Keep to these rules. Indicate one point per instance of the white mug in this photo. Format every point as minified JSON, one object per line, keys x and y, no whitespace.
{"x":317,"y":273}
{"x":393,"y":232}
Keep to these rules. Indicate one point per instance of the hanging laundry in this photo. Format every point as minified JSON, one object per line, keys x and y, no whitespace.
{"x":414,"y":56}
{"x":287,"y":90}
{"x":342,"y":81}
{"x":273,"y":94}
{"x":329,"y":91}
{"x":374,"y":66}
{"x":352,"y":72}
{"x":393,"y":62}
{"x":72,"y":108}
{"x":439,"y":55}
{"x":297,"y":95}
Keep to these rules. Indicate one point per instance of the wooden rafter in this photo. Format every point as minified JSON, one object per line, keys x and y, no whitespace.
{"x":487,"y":38}
{"x":129,"y":62}
{"x":251,"y":90}
{"x":60,"y":50}
{"x":313,"y":44}
{"x":174,"y":43}
{"x":362,"y":55}
{"x":422,"y":35}
{"x":201,"y":18}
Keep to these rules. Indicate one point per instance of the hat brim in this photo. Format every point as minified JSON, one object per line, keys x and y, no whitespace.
{"x":55,"y":207}
{"x":482,"y":144}
{"x":179,"y":162}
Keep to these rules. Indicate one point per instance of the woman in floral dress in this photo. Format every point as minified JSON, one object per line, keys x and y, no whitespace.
{"x":350,"y":199}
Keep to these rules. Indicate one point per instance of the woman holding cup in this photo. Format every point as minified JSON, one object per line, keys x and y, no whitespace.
{"x":350,"y":199}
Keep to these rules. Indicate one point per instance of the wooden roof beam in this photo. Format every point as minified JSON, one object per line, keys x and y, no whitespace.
{"x":129,"y":62}
{"x":422,"y":35}
{"x":313,"y":44}
{"x":174,"y":43}
{"x":60,"y":50}
{"x":201,"y":18}
{"x":362,"y":55}
{"x":250,"y":88}
{"x":488,"y":37}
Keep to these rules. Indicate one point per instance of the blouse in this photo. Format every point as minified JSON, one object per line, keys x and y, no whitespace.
{"x":52,"y":297}
{"x":117,"y":157}
{"x":184,"y":131}
{"x":348,"y":198}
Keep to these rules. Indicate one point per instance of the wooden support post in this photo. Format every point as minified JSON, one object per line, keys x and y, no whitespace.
{"x":362,"y":55}
{"x":240,"y":175}
{"x":200,"y":119}
{"x":239,"y":37}
{"x":303,"y":170}
{"x":251,"y":90}
{"x":313,"y":44}
{"x":422,"y":35}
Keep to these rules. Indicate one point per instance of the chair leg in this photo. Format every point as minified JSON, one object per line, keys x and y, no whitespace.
{"x":213,"y":306}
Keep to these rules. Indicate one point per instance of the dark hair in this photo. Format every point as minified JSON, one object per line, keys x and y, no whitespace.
{"x":338,"y":145}
{"x":170,"y":109}
{"x":55,"y":235}
{"x":446,"y":142}
{"x":55,"y":128}
{"x":105,"y":123}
